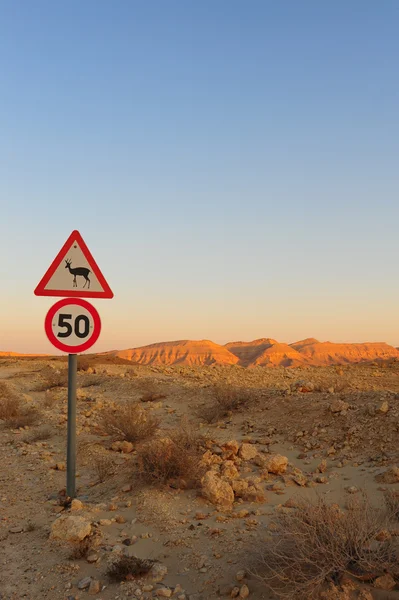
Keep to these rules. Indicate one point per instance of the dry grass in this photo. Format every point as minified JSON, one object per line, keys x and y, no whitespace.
{"x":129,"y":422}
{"x":50,"y":399}
{"x":52,"y":378}
{"x":10,"y":403}
{"x":317,"y":543}
{"x":41,"y":434}
{"x":151,"y":391}
{"x":86,"y":546}
{"x":103,"y":466}
{"x":392,"y":502}
{"x":225,"y":399}
{"x":26,"y":418}
{"x":175,"y":457}
{"x":129,"y":567}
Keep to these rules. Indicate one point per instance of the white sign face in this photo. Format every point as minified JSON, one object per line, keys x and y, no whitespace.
{"x":74,"y":273}
{"x":72,"y":325}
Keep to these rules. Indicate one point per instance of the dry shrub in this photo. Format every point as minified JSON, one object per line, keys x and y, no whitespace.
{"x":84,"y":547}
{"x":177,"y":456}
{"x":26,"y":418}
{"x":151,"y":391}
{"x":318,"y":542}
{"x":52,"y":378}
{"x":84,"y":363}
{"x":91,"y":381}
{"x":103,"y":466}
{"x":392,"y":502}
{"x":50,"y":399}
{"x":129,"y":567}
{"x":129,"y":422}
{"x":226,"y":399}
{"x":10,"y":403}
{"x":41,"y":434}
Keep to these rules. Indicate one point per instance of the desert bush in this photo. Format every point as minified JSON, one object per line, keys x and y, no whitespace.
{"x":151,"y":391}
{"x":84,"y":363}
{"x":226,"y":399}
{"x":52,"y":378}
{"x":103,"y":466}
{"x":27,"y":417}
{"x":50,"y":399}
{"x":41,"y":434}
{"x":318,"y":542}
{"x":130,"y":422}
{"x":129,"y":567}
{"x":91,"y":380}
{"x":10,"y":403}
{"x":392,"y":503}
{"x":177,"y":456}
{"x":84,"y":547}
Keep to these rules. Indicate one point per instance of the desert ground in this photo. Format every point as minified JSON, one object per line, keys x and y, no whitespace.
{"x":191,"y":481}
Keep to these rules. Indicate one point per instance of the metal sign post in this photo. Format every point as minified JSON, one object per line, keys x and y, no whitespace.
{"x":71,"y":435}
{"x":73,"y":325}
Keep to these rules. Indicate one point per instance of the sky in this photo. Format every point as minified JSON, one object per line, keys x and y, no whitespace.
{"x":232,"y":166}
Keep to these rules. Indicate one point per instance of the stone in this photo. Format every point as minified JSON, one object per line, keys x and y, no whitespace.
{"x":276,"y":464}
{"x":17,"y":529}
{"x":164,"y":592}
{"x":95,"y":587}
{"x":126,"y":488}
{"x":229,"y":470}
{"x":231,"y":447}
{"x":384,"y":408}
{"x":70,"y":529}
{"x":76,"y":505}
{"x":234,"y":592}
{"x":322,"y":468}
{"x":84,"y":583}
{"x":365,"y":595}
{"x":217,"y":491}
{"x":244,"y":591}
{"x":247,"y":451}
{"x":240,"y":575}
{"x":120,"y":519}
{"x":386,"y":582}
{"x":92,"y":558}
{"x":389,"y":476}
{"x":158,"y":572}
{"x":338,"y":406}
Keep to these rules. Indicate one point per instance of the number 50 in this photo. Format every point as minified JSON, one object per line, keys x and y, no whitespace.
{"x":63,"y":321}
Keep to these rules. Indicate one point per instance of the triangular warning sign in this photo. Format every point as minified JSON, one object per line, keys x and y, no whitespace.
{"x":74,"y":273}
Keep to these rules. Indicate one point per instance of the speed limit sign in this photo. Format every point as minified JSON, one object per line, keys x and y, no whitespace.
{"x":73,"y":325}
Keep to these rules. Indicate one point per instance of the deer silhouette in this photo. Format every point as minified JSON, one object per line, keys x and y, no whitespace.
{"x":82,"y":271}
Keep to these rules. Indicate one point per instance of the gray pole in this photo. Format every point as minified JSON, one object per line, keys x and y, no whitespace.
{"x":71,"y":438}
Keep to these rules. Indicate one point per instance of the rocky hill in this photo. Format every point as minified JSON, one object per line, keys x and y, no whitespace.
{"x":265,"y":352}
{"x":187,"y":352}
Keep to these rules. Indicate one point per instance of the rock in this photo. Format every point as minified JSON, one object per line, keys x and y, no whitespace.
{"x":338,"y":406}
{"x":240,"y":575}
{"x":247,"y":451}
{"x":76,"y":505}
{"x":229,"y":470}
{"x":216,"y":490}
{"x":17,"y":529}
{"x":70,"y":529}
{"x":244,"y":591}
{"x":389,"y":476}
{"x":95,"y":587}
{"x":276,"y":463}
{"x":234,"y":592}
{"x":127,"y":488}
{"x":322,"y":468}
{"x":92,"y":558}
{"x":84,"y":584}
{"x":60,"y":466}
{"x":302,"y":386}
{"x":365,"y":595}
{"x":384,"y":408}
{"x":352,"y":489}
{"x":386,"y":582}
{"x":158,"y":572}
{"x":231,"y":447}
{"x":164,"y":593}
{"x":120,"y":519}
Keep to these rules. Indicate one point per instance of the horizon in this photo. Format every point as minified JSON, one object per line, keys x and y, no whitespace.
{"x":232,"y":168}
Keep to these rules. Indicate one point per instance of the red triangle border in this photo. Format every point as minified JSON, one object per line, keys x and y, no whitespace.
{"x":74,"y":237}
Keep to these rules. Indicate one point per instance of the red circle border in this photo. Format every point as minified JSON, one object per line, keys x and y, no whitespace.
{"x":63,"y":347}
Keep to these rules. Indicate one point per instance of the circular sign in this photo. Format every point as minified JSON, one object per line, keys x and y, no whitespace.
{"x":72,"y":325}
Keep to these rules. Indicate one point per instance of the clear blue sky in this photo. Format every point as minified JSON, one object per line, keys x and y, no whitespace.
{"x":232,"y":165}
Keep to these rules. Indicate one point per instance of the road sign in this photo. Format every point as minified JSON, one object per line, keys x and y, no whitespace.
{"x":72,"y":325}
{"x":74,"y":273}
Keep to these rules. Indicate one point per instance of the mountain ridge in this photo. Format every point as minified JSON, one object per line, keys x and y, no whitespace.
{"x":265,"y":352}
